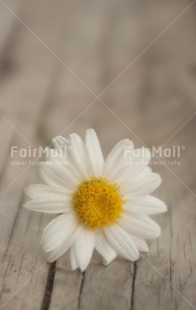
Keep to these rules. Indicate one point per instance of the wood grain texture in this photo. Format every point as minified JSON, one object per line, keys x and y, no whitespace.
{"x":55,"y":58}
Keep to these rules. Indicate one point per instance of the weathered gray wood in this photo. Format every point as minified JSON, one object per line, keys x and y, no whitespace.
{"x":41,"y":97}
{"x":24,"y":97}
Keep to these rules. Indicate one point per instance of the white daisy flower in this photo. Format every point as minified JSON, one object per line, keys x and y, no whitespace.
{"x":103,"y":205}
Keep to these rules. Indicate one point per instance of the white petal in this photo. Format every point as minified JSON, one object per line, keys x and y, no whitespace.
{"x":135,"y":162}
{"x":74,"y":264}
{"x":121,"y":241}
{"x":73,"y":173}
{"x":60,"y":156}
{"x":141,"y":244}
{"x":43,"y":191}
{"x":56,"y":174}
{"x":63,"y":248}
{"x":58,"y":231}
{"x":50,"y":153}
{"x":115,"y":159}
{"x":55,"y":154}
{"x":147,"y":205}
{"x":60,"y":142}
{"x":140,"y":226}
{"x":138,"y":160}
{"x":104,"y":249}
{"x":83,"y":248}
{"x":78,"y":154}
{"x":144,"y":185}
{"x":95,"y":152}
{"x":49,"y":205}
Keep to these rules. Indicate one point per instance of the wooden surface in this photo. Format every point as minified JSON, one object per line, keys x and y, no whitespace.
{"x":55,"y":58}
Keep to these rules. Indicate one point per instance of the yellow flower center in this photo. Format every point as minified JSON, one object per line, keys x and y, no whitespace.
{"x":97,"y":202}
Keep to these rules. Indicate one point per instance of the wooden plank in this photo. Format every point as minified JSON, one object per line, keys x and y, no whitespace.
{"x":149,"y":286}
{"x":24,"y":96}
{"x":69,"y":112}
{"x":108,"y":287}
{"x":149,"y":99}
